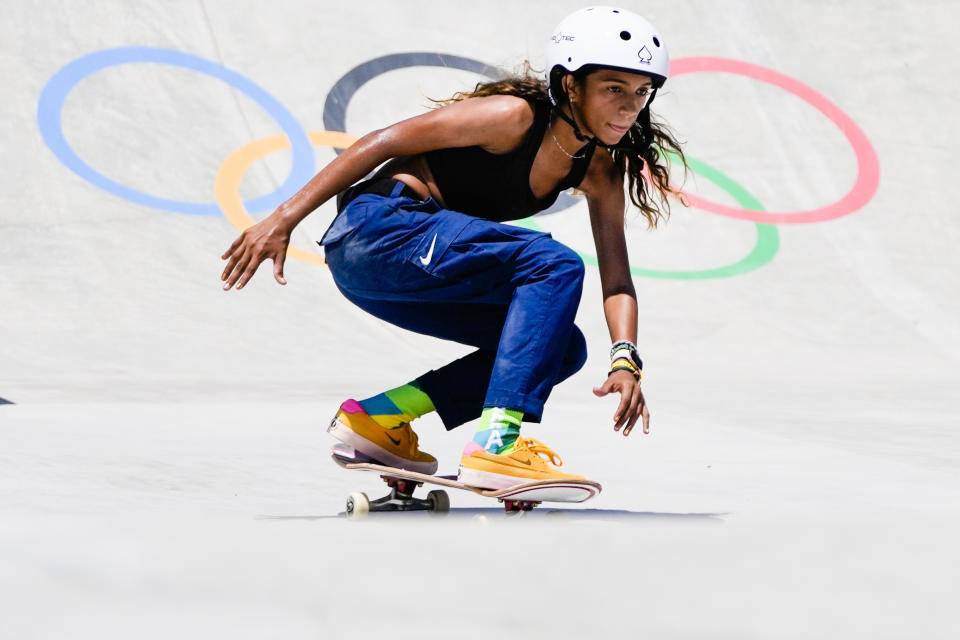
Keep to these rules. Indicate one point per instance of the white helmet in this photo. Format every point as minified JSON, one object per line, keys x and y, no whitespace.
{"x":607,"y":37}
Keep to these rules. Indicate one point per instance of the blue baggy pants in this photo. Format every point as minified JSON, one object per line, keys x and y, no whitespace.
{"x":511,"y":292}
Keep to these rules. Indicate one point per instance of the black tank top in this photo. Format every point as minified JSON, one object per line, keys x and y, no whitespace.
{"x":497,"y":186}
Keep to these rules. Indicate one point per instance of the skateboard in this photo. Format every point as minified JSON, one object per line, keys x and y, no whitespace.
{"x":402,"y":483}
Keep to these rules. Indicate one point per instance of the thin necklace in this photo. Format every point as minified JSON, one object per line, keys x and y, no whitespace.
{"x":578,"y":156}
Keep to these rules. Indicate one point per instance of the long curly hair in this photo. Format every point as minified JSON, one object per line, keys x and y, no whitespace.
{"x":655,"y":145}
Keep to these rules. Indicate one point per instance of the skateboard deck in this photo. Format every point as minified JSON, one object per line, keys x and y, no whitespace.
{"x":522,"y":497}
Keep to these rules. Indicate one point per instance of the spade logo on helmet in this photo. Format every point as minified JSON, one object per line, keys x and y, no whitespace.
{"x":645,"y":55}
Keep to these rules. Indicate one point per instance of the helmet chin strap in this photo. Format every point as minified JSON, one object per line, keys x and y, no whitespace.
{"x":572,"y":121}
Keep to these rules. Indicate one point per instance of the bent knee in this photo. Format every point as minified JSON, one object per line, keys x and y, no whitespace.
{"x":576,"y":355}
{"x":561,"y":259}
{"x":571,"y":261}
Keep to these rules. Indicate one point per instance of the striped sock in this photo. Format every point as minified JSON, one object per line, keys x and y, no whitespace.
{"x":397,"y":407}
{"x":498,"y":430}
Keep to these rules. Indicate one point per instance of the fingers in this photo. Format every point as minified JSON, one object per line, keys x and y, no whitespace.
{"x":637,"y":405}
{"x":235,"y":258}
{"x":618,"y":383}
{"x":233,"y":247}
{"x":623,"y":410}
{"x":247,"y":273}
{"x":643,"y":414}
{"x":242,"y":270}
{"x":235,"y":268}
{"x":245,"y":256}
{"x":622,"y":414}
{"x":235,"y":253}
{"x":632,"y":408}
{"x":633,"y":398}
{"x":278,"y":268}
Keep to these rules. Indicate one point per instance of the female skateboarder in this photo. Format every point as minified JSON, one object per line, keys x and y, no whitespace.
{"x":422,"y":244}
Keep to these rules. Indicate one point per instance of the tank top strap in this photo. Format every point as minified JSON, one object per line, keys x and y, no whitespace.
{"x":579,"y":169}
{"x":541,"y":118}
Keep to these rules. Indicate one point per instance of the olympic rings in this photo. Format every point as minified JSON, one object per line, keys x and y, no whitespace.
{"x":868,"y":165}
{"x":54,"y":94}
{"x":765,"y":248}
{"x":227,"y":183}
{"x":230,"y":174}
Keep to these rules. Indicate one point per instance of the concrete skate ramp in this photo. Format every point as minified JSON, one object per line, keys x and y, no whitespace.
{"x":163,"y":462}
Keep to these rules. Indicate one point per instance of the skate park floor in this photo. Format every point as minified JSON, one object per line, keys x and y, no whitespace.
{"x":164,"y":465}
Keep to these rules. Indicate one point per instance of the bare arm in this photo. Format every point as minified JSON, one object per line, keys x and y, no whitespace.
{"x":619,"y":295}
{"x":604,"y":188}
{"x":495,"y":123}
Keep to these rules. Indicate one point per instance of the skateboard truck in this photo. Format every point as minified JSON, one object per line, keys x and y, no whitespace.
{"x":400,"y":498}
{"x":516,"y":506}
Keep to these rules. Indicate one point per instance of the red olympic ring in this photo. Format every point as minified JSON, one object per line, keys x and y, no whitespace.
{"x":868,"y":165}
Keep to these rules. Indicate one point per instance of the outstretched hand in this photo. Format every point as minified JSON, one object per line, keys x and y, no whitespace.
{"x":266,"y":240}
{"x":632,"y":406}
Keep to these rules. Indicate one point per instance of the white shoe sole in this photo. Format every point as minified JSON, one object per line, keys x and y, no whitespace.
{"x":348,"y":436}
{"x":490,"y":480}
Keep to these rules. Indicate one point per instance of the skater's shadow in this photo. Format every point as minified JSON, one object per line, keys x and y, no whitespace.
{"x":481,"y":515}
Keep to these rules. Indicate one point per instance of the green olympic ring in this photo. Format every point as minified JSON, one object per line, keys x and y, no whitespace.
{"x":766,"y":247}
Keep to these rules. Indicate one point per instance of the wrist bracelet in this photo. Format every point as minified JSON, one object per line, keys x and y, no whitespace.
{"x":637,"y":375}
{"x":630,"y":348}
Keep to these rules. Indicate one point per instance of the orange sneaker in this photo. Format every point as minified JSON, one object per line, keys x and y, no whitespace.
{"x":390,"y":447}
{"x":526,"y":463}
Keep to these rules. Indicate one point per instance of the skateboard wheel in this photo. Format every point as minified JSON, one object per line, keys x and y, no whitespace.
{"x":439,"y":501}
{"x":358,"y":505}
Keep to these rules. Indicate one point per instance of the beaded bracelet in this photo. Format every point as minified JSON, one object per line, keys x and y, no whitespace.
{"x":626,"y":345}
{"x":637,"y":375}
{"x":622,"y":364}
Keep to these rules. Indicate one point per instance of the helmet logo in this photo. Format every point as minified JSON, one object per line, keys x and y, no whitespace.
{"x":645,"y":55}
{"x":561,"y":37}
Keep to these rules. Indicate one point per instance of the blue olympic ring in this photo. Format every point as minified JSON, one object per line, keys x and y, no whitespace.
{"x":342,"y":92}
{"x":54,"y":94}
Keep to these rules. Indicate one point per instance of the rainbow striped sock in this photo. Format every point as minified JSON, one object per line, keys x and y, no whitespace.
{"x":498,"y":430}
{"x":397,"y":407}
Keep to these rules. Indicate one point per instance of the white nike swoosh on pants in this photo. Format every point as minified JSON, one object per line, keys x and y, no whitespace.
{"x":425,"y":260}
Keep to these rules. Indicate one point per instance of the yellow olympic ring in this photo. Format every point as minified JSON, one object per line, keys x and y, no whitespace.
{"x":226,"y":187}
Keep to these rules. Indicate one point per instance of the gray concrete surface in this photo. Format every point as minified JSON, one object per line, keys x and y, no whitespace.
{"x":163,"y":465}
